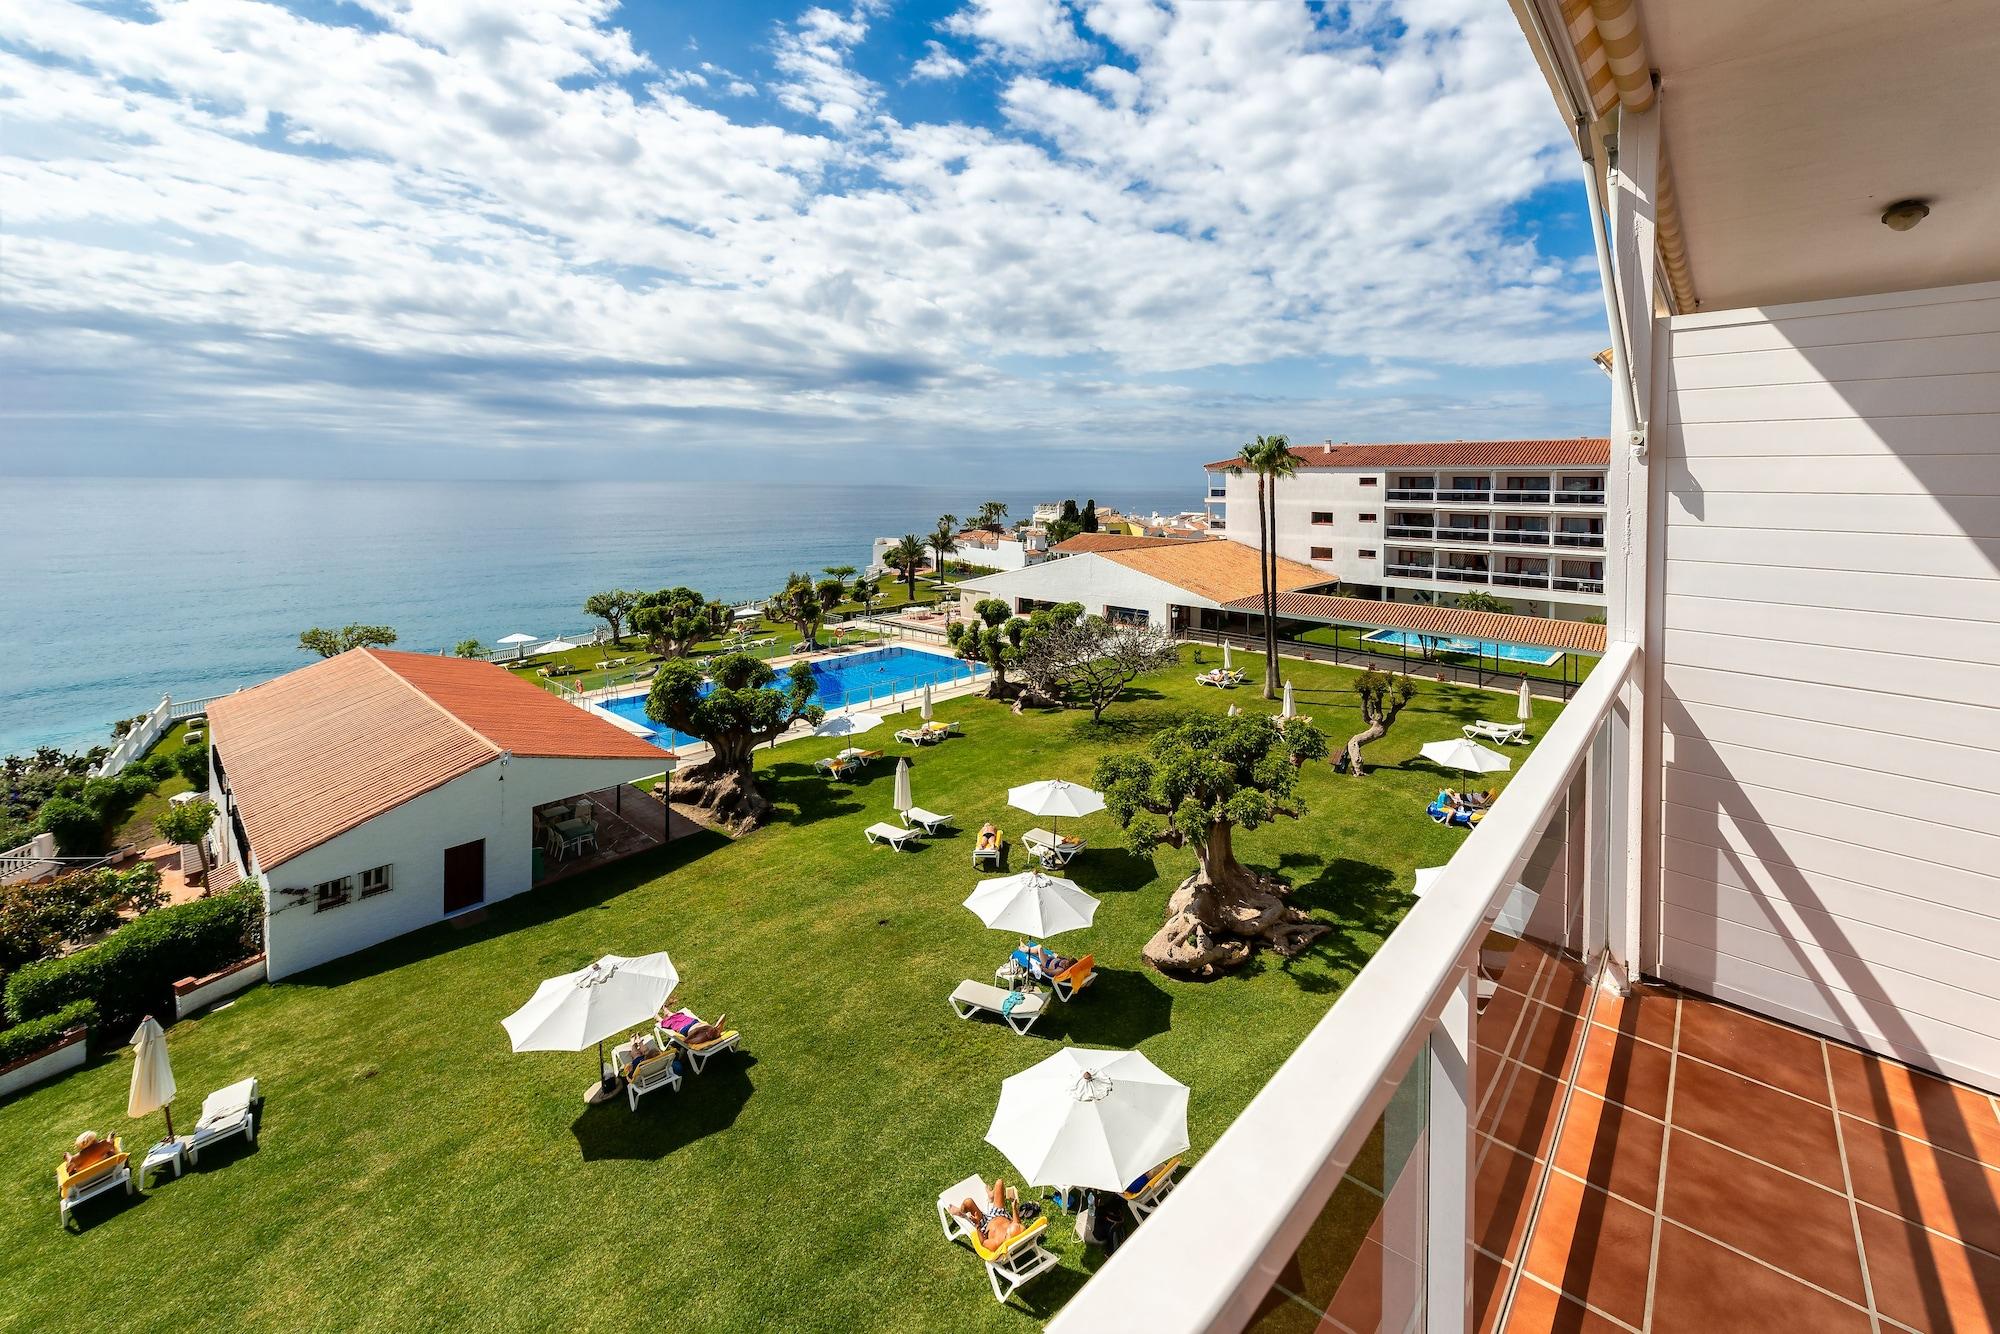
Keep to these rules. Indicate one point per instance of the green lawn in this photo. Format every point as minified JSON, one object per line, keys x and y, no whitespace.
{"x":135,"y":827}
{"x":414,"y":1174}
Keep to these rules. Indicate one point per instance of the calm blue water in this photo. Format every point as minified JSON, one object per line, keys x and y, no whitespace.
{"x":862,"y":678}
{"x":114,"y":592}
{"x":1540,"y":657}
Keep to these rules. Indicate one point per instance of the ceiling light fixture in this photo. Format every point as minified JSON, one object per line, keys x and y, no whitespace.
{"x":1905,"y":214}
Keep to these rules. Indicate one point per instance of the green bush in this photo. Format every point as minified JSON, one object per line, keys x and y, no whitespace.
{"x":37,"y":920}
{"x":133,"y":971}
{"x":102,"y":795}
{"x":192,"y":762}
{"x":37,"y":1035}
{"x":78,"y":829}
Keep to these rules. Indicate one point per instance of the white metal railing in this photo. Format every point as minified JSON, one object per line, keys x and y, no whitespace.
{"x":137,"y":741}
{"x":1404,"y":1024}
{"x":188,"y":708}
{"x":34,"y":858}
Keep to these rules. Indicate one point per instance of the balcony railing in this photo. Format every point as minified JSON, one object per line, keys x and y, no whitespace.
{"x":1366,"y":1137}
{"x":1457,"y":497}
{"x":1422,"y":531}
{"x":1522,"y":537}
{"x":1579,"y":497}
{"x":1452,"y":533}
{"x":1452,"y":574}
{"x":1412,"y":493}
{"x":1570,"y":585}
{"x":1592,"y":540}
{"x":1535,"y":496}
{"x":1409,"y":571}
{"x":1522,"y":580}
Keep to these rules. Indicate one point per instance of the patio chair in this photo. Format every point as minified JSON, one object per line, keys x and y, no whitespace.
{"x":1051,"y":850}
{"x":112,"y":1171}
{"x":973,"y":998}
{"x":1505,"y":733}
{"x":894,"y":835}
{"x":1013,"y":1264}
{"x":1074,"y":978}
{"x":994,"y":855}
{"x":651,"y":1074}
{"x":699,"y":1054}
{"x":1147,"y":1195}
{"x":929,"y":821}
{"x":225,"y":1112}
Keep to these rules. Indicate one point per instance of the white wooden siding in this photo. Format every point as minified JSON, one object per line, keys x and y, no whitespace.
{"x":1830,"y":802}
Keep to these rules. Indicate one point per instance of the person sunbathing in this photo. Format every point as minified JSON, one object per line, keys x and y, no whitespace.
{"x":691,"y":1030}
{"x":996,"y":1225}
{"x":1471,"y":800}
{"x":1043,"y":961}
{"x":88,"y":1151}
{"x":989,"y":838}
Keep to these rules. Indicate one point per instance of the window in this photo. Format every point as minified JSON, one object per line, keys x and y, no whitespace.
{"x":1370,"y":481}
{"x":1126,"y":615}
{"x":1322,"y":516}
{"x":1367,"y":518}
{"x":1322,"y":553}
{"x":332,"y":893}
{"x":1366,"y":554}
{"x":375,"y":880}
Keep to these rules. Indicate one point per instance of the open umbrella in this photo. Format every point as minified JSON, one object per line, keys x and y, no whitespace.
{"x":520,"y":643}
{"x":556,"y":646}
{"x":1032,"y":903}
{"x":926,"y":714}
{"x":902,"y":800}
{"x":152,"y":1075}
{"x":1526,"y":709}
{"x":1093,"y":1119}
{"x":579,"y":1009}
{"x":1467,"y":755}
{"x":1288,"y":701}
{"x":848,"y":724}
{"x":1055,"y":798}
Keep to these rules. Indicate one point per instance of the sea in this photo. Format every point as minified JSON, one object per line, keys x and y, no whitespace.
{"x":114,"y":592}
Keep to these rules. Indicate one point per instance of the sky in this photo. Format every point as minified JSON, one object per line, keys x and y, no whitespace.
{"x":1100,"y":239}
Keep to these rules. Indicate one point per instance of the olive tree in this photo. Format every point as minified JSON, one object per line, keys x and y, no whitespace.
{"x":746,"y":708}
{"x":612,"y":607}
{"x":992,"y":638}
{"x":1067,"y":656}
{"x":327,"y":643}
{"x":189,"y":822}
{"x":1382,"y":697}
{"x":674,"y":620}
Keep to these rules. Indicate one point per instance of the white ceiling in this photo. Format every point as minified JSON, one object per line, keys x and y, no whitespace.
{"x":1792,"y":126}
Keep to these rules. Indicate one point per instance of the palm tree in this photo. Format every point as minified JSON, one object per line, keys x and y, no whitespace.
{"x":944,"y":541}
{"x":906,"y":558}
{"x":1270,"y":457}
{"x":991,"y":512}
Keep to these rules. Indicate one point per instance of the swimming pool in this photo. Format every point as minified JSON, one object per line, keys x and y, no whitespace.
{"x":857,"y":679}
{"x":1528,"y":653}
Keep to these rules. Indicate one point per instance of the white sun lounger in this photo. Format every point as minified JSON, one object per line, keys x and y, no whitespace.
{"x":1504,"y":733}
{"x":1052,"y":851}
{"x":699,"y":1056}
{"x":1154,"y":1189}
{"x":928,"y":821}
{"x":225,"y":1112}
{"x":649,"y":1076}
{"x":1019,"y":1260}
{"x":114,"y":1173}
{"x":972,"y":998}
{"x":895,"y":836}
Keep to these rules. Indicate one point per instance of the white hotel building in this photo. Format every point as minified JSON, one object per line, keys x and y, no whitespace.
{"x":1522,"y":520}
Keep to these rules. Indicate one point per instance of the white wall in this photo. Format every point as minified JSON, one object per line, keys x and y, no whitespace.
{"x":1342,"y":492}
{"x":1087,"y":578}
{"x":1830,"y":829}
{"x":495,"y":802}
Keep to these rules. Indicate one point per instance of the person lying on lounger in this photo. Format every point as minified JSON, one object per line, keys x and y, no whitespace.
{"x":989,"y":838}
{"x":690,"y":1029}
{"x":1043,"y":962}
{"x":998,"y":1224}
{"x":1472,"y":800}
{"x":89,"y":1151}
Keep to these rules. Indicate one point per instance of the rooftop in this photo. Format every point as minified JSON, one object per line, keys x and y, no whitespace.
{"x":1580,"y":452}
{"x":1219,"y":570}
{"x":323,"y":749}
{"x":1455,"y":622}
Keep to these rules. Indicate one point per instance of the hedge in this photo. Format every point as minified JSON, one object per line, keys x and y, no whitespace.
{"x":38,"y":1035}
{"x":133,"y":970}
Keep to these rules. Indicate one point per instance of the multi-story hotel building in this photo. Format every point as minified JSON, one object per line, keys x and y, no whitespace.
{"x":1522,"y":520}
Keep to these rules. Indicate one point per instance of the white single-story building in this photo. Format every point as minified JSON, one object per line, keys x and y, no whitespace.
{"x":376,"y":792}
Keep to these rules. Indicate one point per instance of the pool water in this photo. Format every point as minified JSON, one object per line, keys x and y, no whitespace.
{"x":863,"y":679}
{"x":1528,"y":653}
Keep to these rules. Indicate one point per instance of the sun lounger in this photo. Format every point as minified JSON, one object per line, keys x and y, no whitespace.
{"x":652,"y":1074}
{"x":929,"y":821}
{"x":1504,"y":733}
{"x":1153,"y":1189}
{"x":1013,"y":1264}
{"x":912,"y":736}
{"x":894,"y":835}
{"x":973,"y":998}
{"x":1075,"y":978}
{"x":991,"y":855}
{"x":1051,"y":850}
{"x":109,"y":1173}
{"x":699,"y":1053}
{"x":835,"y":766}
{"x":225,"y":1112}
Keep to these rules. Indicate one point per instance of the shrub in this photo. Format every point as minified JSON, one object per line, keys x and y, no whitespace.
{"x":192,"y":762}
{"x":37,"y":1035}
{"x":133,"y":971}
{"x":102,"y":795}
{"x":78,"y":828}
{"x":134,"y":784}
{"x":37,"y":920}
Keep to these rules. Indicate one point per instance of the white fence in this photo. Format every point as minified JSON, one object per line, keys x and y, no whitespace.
{"x":156,"y":724}
{"x":31,"y":861}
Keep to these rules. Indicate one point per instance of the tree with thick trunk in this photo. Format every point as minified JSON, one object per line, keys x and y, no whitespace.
{"x":1195,"y":786}
{"x":744,"y":710}
{"x":991,"y":638}
{"x":1382,"y":697}
{"x":674,"y":620}
{"x":800,"y":605}
{"x":612,"y":607}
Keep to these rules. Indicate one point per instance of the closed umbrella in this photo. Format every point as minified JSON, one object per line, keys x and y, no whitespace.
{"x":1055,"y":798}
{"x":902,"y":801}
{"x":1233,"y":711}
{"x":1227,"y":665}
{"x":1288,"y":701}
{"x":1467,"y":755}
{"x":579,"y":1009}
{"x":1033,"y":904}
{"x":1099,"y":1120}
{"x":152,"y":1074}
{"x":1526,"y":708}
{"x":926,"y":714}
{"x":520,"y":643}
{"x":848,"y":724}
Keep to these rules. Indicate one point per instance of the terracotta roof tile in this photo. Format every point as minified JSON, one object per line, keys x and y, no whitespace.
{"x":1217,"y":569}
{"x":1493,"y":626}
{"x":1101,"y":542}
{"x":1580,"y":452}
{"x":318,"y":751}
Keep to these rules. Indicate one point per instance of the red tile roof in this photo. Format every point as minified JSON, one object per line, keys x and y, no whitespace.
{"x":1215,"y":568}
{"x":323,"y":749}
{"x":1581,"y":452}
{"x":1070,"y":546}
{"x":1494,"y":626}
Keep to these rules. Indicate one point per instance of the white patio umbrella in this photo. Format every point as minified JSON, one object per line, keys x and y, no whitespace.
{"x":1055,"y":798}
{"x":1034,"y":904}
{"x":1467,"y":755}
{"x":902,"y":800}
{"x":556,"y":646}
{"x":1288,"y":701}
{"x":1526,"y":709}
{"x":849,"y":724}
{"x":1233,"y":711}
{"x":1514,"y":913}
{"x":1093,"y":1119}
{"x":152,"y":1074}
{"x":520,"y":643}
{"x":926,"y":714}
{"x":579,"y":1009}
{"x":1227,"y":665}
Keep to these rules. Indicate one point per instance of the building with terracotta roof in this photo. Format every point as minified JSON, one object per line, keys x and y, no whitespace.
{"x":1170,"y":583}
{"x":376,"y":792}
{"x":1521,"y":520}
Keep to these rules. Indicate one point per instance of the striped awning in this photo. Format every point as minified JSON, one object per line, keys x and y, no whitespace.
{"x":1444,"y":622}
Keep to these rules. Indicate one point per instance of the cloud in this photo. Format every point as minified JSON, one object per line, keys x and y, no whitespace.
{"x":505,"y":224}
{"x":1022,"y":32}
{"x":938,"y":63}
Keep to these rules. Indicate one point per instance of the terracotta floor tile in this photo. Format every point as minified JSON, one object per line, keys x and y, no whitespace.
{"x":1503,"y":1195}
{"x":1647,"y":1013}
{"x":1702,"y":1288}
{"x":1489,"y":1285}
{"x":1779,"y":1219}
{"x":1564,"y":984}
{"x":1786,"y":1057}
{"x":1521,"y":1110}
{"x":1625,"y":1070}
{"x":1781,"y":1130}
{"x":1548,"y":1040}
{"x":1612,"y":1147}
{"x":1924,"y":1183}
{"x":1593,"y":1247}
{"x":1351,"y":1219}
{"x":1500,"y":1024}
{"x":1524,"y":969}
{"x":1926,"y":1281}
{"x":1540,"y":1310}
{"x":1279,"y":1314}
{"x":1915,"y":1103}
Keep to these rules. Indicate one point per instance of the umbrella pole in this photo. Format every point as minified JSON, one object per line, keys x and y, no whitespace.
{"x":168,"y":1108}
